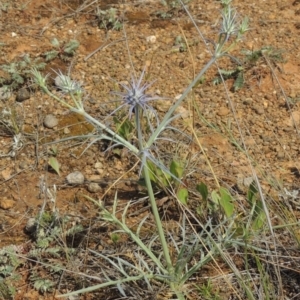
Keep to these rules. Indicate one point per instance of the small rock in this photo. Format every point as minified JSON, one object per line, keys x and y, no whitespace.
{"x":67,"y":130}
{"x":6,"y":173}
{"x":93,"y":187}
{"x":22,"y":95}
{"x":247,"y":101}
{"x":280,"y":155}
{"x":50,"y":121}
{"x":259,"y":110}
{"x":23,"y":165}
{"x":223,"y":111}
{"x":31,"y":225}
{"x":151,"y":39}
{"x":75,"y":178}
{"x":98,"y":165}
{"x":99,"y":172}
{"x":7,"y":203}
{"x":5,"y":93}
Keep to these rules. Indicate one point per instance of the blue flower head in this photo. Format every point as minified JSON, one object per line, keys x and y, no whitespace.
{"x":134,"y":95}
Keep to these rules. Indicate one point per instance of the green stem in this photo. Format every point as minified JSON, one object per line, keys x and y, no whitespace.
{"x":158,"y":221}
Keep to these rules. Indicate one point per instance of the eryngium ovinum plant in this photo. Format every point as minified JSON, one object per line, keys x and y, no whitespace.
{"x":174,"y":273}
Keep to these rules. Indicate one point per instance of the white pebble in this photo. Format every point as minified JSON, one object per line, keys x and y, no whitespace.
{"x":50,"y":121}
{"x":151,"y":39}
{"x":75,"y":178}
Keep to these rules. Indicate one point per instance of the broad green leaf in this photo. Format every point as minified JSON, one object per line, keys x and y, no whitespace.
{"x":226,"y":202}
{"x":215,"y":197}
{"x":176,"y":169}
{"x":182,"y":195}
{"x":223,"y":199}
{"x":259,"y":221}
{"x":202,"y":189}
{"x":54,"y":164}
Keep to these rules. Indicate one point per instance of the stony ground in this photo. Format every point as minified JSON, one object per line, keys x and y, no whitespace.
{"x":264,"y":113}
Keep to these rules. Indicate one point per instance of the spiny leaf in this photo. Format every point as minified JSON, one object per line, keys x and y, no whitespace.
{"x":239,"y":81}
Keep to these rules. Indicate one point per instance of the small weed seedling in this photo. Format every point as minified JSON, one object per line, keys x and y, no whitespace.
{"x":173,"y":7}
{"x":11,"y":122}
{"x":174,"y":3}
{"x":250,"y":64}
{"x":17,"y":73}
{"x":53,"y":162}
{"x":108,"y":19}
{"x":63,"y":50}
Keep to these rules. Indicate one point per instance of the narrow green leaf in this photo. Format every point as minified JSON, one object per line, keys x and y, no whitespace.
{"x":53,"y":162}
{"x":251,"y":193}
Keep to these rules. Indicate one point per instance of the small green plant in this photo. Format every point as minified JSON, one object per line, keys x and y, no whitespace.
{"x":174,"y":3}
{"x":108,"y":19}
{"x":49,"y":233}
{"x":269,"y":52}
{"x":63,"y":50}
{"x":220,"y":202}
{"x":236,"y":74}
{"x":124,"y":128}
{"x":11,"y":122}
{"x":163,"y":15}
{"x":17,"y":73}
{"x":9,"y":264}
{"x":257,"y":216}
{"x":208,"y":292}
{"x":167,"y":179}
{"x":115,"y":238}
{"x":293,"y":100}
{"x":248,"y":65}
{"x":53,"y":162}
{"x":179,"y":44}
{"x":173,"y":7}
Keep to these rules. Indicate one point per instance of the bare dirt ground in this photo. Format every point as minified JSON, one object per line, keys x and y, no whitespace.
{"x":165,"y":42}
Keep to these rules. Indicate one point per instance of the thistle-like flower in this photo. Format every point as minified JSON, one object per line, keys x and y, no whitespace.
{"x":67,"y":85}
{"x":231,"y":24}
{"x":135,"y":97}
